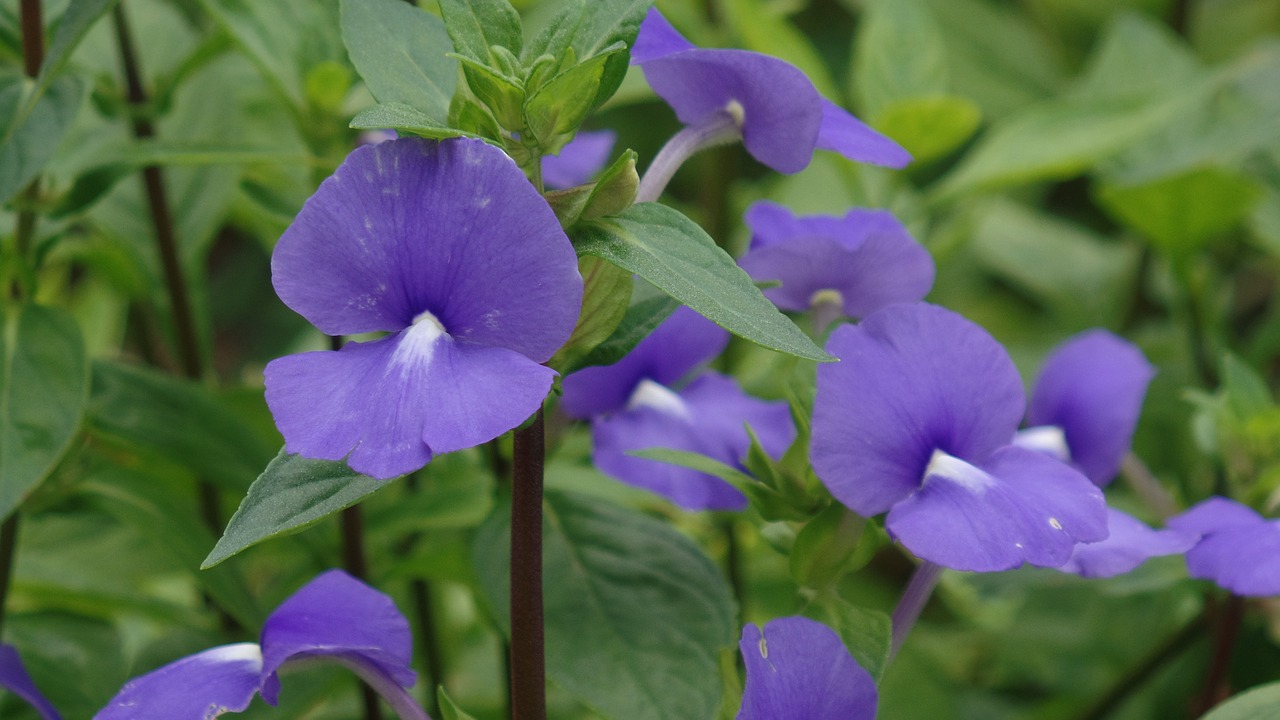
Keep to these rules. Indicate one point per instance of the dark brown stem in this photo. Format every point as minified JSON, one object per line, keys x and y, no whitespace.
{"x":32,"y":37}
{"x":1138,"y":676}
{"x":1217,"y":684}
{"x":528,"y":673}
{"x":8,"y":549}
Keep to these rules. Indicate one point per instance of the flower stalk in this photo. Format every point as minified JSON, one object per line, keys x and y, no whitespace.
{"x":912,"y":602}
{"x":528,"y":669}
{"x":718,"y":130}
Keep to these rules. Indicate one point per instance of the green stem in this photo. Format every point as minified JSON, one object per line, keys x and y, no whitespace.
{"x":528,"y":671}
{"x":1139,"y":674}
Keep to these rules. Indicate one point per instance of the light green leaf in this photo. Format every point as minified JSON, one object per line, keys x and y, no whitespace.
{"x":636,"y":614}
{"x":672,"y":252}
{"x":44,"y":387}
{"x":929,"y":127}
{"x":559,"y":106}
{"x":401,"y":52}
{"x":1260,"y":703}
{"x":31,"y":137}
{"x":829,"y":546}
{"x":867,"y":634}
{"x":402,"y":118}
{"x":640,"y":319}
{"x":588,"y":28}
{"x":75,"y":22}
{"x":606,"y":292}
{"x":448,"y":708}
{"x":771,"y":505}
{"x":292,"y":493}
{"x":899,"y":54}
{"x":475,"y":25}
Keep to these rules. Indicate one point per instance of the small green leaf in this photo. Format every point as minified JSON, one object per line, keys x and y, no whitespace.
{"x":448,"y":709}
{"x":44,"y":388}
{"x":1260,"y":703}
{"x":672,"y":252}
{"x":606,"y":292}
{"x":90,"y":187}
{"x":559,"y":106}
{"x":292,"y":493}
{"x":615,"y":191}
{"x":830,"y":546}
{"x":929,"y":127}
{"x":587,"y":28}
{"x":867,"y":634}
{"x":476,"y":25}
{"x":31,"y":137}
{"x":504,"y":96}
{"x":401,"y":52}
{"x":771,"y":506}
{"x":636,"y":613}
{"x":402,"y":118}
{"x":640,"y":319}
{"x":899,"y":55}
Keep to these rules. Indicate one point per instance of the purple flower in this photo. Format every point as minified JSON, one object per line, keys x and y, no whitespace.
{"x":1086,"y":403}
{"x":14,"y":678}
{"x":334,"y":616}
{"x":865,"y":260}
{"x":1239,"y":549}
{"x":915,"y":420}
{"x":447,"y":247}
{"x":635,"y":404}
{"x":779,"y":114}
{"x":799,"y":669}
{"x":578,"y":161}
{"x":1129,"y":544}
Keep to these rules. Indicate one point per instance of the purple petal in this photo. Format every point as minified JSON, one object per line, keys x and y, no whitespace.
{"x":677,"y":346}
{"x":337,"y":616}
{"x":1216,"y":513}
{"x":722,"y":408}
{"x":912,"y":379}
{"x":1020,"y":506}
{"x":799,"y":669}
{"x":845,"y":134}
{"x":200,"y":687}
{"x":578,"y":161}
{"x":14,"y":678}
{"x":452,"y":228}
{"x":1244,"y":559}
{"x":1129,"y":544}
{"x":867,"y":257}
{"x":388,"y":406}
{"x":657,"y":39}
{"x":1092,"y":387}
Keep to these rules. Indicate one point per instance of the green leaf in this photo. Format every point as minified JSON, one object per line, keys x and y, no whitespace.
{"x":672,"y":252}
{"x":606,"y":292}
{"x":867,"y":633}
{"x":830,"y":546}
{"x":448,"y":709}
{"x":32,"y":136}
{"x":588,"y":28}
{"x":640,"y":319}
{"x":929,"y":127}
{"x":476,"y":25}
{"x":1181,"y":214}
{"x":770,"y":504}
{"x":44,"y":387}
{"x":899,"y":55}
{"x":401,"y":52}
{"x":501,"y":94}
{"x":1260,"y":703}
{"x":292,"y":493}
{"x":636,"y":614}
{"x":402,"y":118}
{"x":559,"y":106}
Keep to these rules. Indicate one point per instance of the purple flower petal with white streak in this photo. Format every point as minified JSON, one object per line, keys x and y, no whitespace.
{"x":1129,"y":544}
{"x":578,"y":161}
{"x":799,"y":669}
{"x":14,"y":678}
{"x":670,"y":353}
{"x":867,"y":257}
{"x":200,"y":687}
{"x":1092,"y":387}
{"x":1239,"y":550}
{"x":781,"y":115}
{"x":337,"y":616}
{"x":448,"y":246}
{"x":707,"y":418}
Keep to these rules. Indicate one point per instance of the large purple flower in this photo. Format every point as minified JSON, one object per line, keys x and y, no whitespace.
{"x":916,"y":419}
{"x":780,"y":115}
{"x":1239,"y":549}
{"x":1086,"y":403}
{"x":334,"y":617}
{"x":640,"y":402}
{"x":799,"y":669}
{"x":446,"y":246}
{"x":864,"y":260}
{"x":14,"y":678}
{"x":1129,"y":543}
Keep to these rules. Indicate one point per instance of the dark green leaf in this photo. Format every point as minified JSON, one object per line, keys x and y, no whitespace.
{"x":292,"y":493}
{"x":672,"y":252}
{"x":636,"y":614}
{"x":90,"y":187}
{"x":402,"y":118}
{"x":588,"y":27}
{"x":44,"y":387}
{"x":475,"y":25}
{"x":640,"y":320}
{"x":401,"y":52}
{"x":1260,"y":703}
{"x":31,"y":137}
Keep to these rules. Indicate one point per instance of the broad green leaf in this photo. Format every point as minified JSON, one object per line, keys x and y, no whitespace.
{"x":867,"y":634}
{"x":402,"y":118}
{"x":179,"y":419}
{"x":1138,"y":58}
{"x":476,"y":25}
{"x":672,"y":252}
{"x":292,"y":493}
{"x":1260,"y":703}
{"x":899,"y":55}
{"x":764,"y":29}
{"x":636,"y":614}
{"x":448,"y":708}
{"x":929,"y":127}
{"x":606,"y":292}
{"x":588,"y":27}
{"x":32,"y":137}
{"x":640,"y":319}
{"x":1180,"y":214}
{"x":401,"y":52}
{"x":44,"y":387}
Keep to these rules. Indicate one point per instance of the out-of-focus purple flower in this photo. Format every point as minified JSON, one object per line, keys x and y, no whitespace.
{"x":1129,"y":544}
{"x":780,"y":116}
{"x":915,"y":420}
{"x":866,"y":259}
{"x":578,"y":161}
{"x":640,"y":402}
{"x":1086,"y":403}
{"x":334,"y":617}
{"x":14,"y":678}
{"x":1239,"y":549}
{"x":799,"y":669}
{"x":446,"y":246}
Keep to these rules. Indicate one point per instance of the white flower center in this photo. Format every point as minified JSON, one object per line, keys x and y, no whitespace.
{"x":418,"y":342}
{"x":659,"y":397}
{"x":736,"y":111}
{"x":826,"y":296}
{"x":957,"y":471}
{"x":246,"y":652}
{"x":1047,"y":439}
